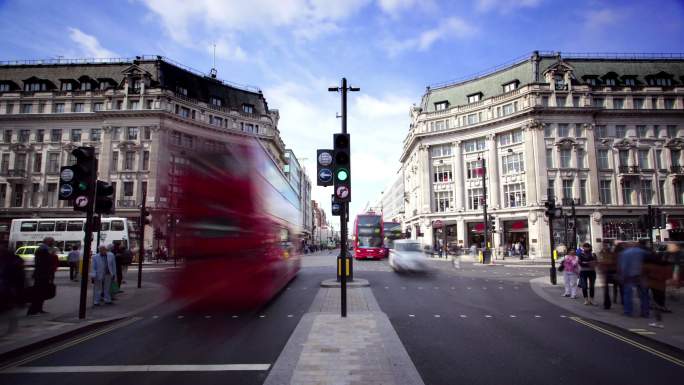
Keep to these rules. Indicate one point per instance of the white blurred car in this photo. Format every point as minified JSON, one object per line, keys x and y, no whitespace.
{"x":407,"y":255}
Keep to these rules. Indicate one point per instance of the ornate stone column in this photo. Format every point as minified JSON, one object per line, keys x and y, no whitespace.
{"x":458,"y":176}
{"x":425,"y":168}
{"x":493,"y":185}
{"x":592,"y":162}
{"x":534,"y":152}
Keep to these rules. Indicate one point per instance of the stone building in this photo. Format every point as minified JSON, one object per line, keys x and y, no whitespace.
{"x":605,"y":130}
{"x":142,"y":115}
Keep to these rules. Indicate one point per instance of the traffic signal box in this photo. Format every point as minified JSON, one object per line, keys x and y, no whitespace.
{"x":324,"y":167}
{"x":104,"y":199}
{"x":342,"y":167}
{"x":144,"y":216}
{"x":76,"y":182}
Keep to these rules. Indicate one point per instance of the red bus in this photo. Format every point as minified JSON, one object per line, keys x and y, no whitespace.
{"x":368,"y":237}
{"x":239,"y":228}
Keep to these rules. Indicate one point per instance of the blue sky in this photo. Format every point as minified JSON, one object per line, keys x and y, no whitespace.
{"x":295,"y":49}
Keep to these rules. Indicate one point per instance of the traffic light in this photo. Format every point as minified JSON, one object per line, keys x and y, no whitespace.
{"x":145,"y":218}
{"x":82,"y":177}
{"x":104,"y":198}
{"x":552,"y":211}
{"x":324,"y":167}
{"x":492,"y":223}
{"x":342,"y":167}
{"x":336,"y":206}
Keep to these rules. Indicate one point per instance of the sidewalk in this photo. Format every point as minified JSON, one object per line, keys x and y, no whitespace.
{"x":326,"y":349}
{"x":62,"y":317}
{"x":672,"y":334}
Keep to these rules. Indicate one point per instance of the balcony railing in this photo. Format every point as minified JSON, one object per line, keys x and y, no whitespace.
{"x":628,"y":169}
{"x":677,"y":169}
{"x":127,"y":203}
{"x":14,"y":173}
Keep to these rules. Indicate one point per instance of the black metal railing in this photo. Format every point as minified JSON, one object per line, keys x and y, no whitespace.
{"x":127,"y":203}
{"x":677,"y":169}
{"x":14,"y":173}
{"x":628,"y":169}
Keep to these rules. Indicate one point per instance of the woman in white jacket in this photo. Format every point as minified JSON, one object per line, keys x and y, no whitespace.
{"x":102,"y":274}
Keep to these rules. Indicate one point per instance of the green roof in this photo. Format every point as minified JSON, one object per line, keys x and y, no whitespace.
{"x":491,"y":84}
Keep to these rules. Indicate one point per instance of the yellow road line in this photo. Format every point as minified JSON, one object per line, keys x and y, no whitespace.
{"x":70,"y":343}
{"x":643,"y":347}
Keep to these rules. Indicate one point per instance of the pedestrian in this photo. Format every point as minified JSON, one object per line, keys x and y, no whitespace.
{"x":74,"y":259}
{"x":571,"y":269}
{"x":11,"y":288}
{"x":124,"y":257}
{"x":45,"y":264}
{"x":657,"y":271}
{"x":587,"y":262}
{"x":102,"y":274}
{"x":608,"y":268}
{"x":630,"y":265}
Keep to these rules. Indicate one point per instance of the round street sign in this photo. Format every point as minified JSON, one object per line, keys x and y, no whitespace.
{"x":325,"y":175}
{"x":325,"y":159}
{"x":67,"y":175}
{"x":66,"y":190}
{"x":82,"y":201}
{"x":342,"y":192}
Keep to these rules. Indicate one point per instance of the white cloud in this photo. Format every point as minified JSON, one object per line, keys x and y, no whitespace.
{"x":394,"y":6}
{"x":504,"y":5}
{"x":308,"y":17}
{"x":88,"y":45}
{"x":390,"y":106}
{"x":452,"y":27}
{"x":601,"y":18}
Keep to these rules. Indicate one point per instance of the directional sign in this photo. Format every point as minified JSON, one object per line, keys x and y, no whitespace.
{"x":325,"y":175}
{"x":325,"y":158}
{"x":66,"y":190}
{"x":81,"y":201}
{"x":67,"y":174}
{"x":342,"y":192}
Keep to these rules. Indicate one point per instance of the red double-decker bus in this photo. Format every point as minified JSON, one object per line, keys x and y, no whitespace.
{"x":368,"y":237}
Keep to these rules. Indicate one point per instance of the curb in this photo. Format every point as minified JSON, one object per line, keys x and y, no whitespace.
{"x":537,"y":285}
{"x":357,"y":282}
{"x":80,"y":328}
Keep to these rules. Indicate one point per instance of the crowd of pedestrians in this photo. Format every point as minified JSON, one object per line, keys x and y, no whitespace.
{"x":626,"y":268}
{"x":107,"y":270}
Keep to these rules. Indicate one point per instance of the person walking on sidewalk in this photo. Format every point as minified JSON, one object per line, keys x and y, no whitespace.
{"x":124,"y":257}
{"x":571,"y":269}
{"x":11,"y":288}
{"x":74,"y":259}
{"x":657,"y":271}
{"x":608,"y":267}
{"x":45,"y":264}
{"x":630,"y":266}
{"x":587,"y":262}
{"x":102,"y":274}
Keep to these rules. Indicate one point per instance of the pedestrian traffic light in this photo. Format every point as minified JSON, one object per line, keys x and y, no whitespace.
{"x":145,"y":218}
{"x":342,"y":167}
{"x":104,"y":198}
{"x":336,"y":206}
{"x":324,"y":167}
{"x":82,"y":175}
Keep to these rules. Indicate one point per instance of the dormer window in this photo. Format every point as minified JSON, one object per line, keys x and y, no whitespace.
{"x":661,"y":82}
{"x":4,"y":87}
{"x":629,"y":81}
{"x":661,"y":79}
{"x":182,"y":90}
{"x":609,"y":81}
{"x":86,"y":86}
{"x":248,"y":108}
{"x":67,"y":86}
{"x":137,"y":84}
{"x":475,"y":97}
{"x":508,"y":87}
{"x":440,"y":106}
{"x":591,"y":80}
{"x":215,"y":101}
{"x":34,"y":86}
{"x":559,"y":82}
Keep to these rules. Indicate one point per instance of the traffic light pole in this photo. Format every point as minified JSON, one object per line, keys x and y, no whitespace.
{"x":485,"y":251}
{"x":141,"y":238}
{"x":343,"y":216}
{"x":87,"y":242}
{"x":553,"y":262}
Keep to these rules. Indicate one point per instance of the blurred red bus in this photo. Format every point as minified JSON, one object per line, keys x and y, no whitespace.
{"x":239,"y":227}
{"x":368,"y":237}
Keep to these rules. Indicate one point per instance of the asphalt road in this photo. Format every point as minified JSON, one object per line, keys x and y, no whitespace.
{"x":484,"y":325}
{"x":475,"y":325}
{"x":169,"y":335}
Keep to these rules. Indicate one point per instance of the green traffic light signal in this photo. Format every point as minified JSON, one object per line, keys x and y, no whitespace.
{"x":82,"y":186}
{"x":342,"y":175}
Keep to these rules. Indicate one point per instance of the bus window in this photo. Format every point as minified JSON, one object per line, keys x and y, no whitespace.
{"x":60,"y":226}
{"x":28,"y":226}
{"x":46,"y":226}
{"x":117,"y":226}
{"x":71,"y":244}
{"x":104,"y":226}
{"x":74,"y":226}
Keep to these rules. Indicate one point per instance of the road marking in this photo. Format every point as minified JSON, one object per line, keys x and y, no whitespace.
{"x":537,"y":316}
{"x":289,"y":316}
{"x":155,"y":316}
{"x":453,"y":288}
{"x":138,"y":368}
{"x":500,"y":287}
{"x":655,"y":352}
{"x":71,"y":343}
{"x":484,"y":288}
{"x":488,"y":316}
{"x":637,"y":330}
{"x":464,"y":316}
{"x":235,"y":316}
{"x":646,"y":333}
{"x":468,"y":288}
{"x":420,"y":288}
{"x":207,"y":316}
{"x":412,"y":315}
{"x":512,"y":316}
{"x":437,"y":315}
{"x":386,"y":287}
{"x":262,"y":316}
{"x":563,"y":316}
{"x":180,"y":317}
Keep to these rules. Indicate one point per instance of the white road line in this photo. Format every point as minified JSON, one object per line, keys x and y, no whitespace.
{"x":412,"y":315}
{"x":537,"y":316}
{"x":138,"y":368}
{"x":488,"y":316}
{"x":645,"y":333}
{"x":234,"y":316}
{"x":563,"y":316}
{"x":637,"y":330}
{"x":386,"y":287}
{"x":512,"y":316}
{"x":468,"y":288}
{"x":437,"y":316}
{"x":289,"y":316}
{"x":262,"y":316}
{"x":181,"y":317}
{"x":464,"y":316}
{"x":155,"y":316}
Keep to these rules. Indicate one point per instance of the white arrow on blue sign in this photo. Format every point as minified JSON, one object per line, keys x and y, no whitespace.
{"x":325,"y":175}
{"x":66,"y":190}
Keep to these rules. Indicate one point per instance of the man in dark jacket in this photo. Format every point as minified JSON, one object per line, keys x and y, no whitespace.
{"x":11,"y":287}
{"x":43,"y":275}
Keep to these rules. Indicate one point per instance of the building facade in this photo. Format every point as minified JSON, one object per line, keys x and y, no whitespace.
{"x":392,"y":200}
{"x":302,"y":184}
{"x":604,"y":131}
{"x":142,"y":115}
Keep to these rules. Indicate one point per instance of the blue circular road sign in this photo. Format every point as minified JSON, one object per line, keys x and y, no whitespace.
{"x":66,"y":190}
{"x":325,"y":175}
